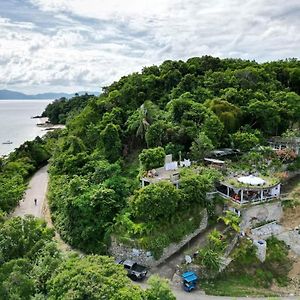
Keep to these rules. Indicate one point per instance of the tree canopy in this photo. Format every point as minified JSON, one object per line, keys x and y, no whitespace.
{"x":32,"y":267}
{"x":183,"y":108}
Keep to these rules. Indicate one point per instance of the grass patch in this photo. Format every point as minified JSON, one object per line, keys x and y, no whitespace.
{"x":262,"y":223}
{"x":235,"y":286}
{"x":291,"y":185}
{"x":290,"y":203}
{"x":247,"y":276}
{"x":233,"y":181}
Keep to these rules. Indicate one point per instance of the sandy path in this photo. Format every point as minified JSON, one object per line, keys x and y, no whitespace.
{"x":37,"y":189}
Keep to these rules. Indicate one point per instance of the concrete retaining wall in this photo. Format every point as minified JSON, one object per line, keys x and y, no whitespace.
{"x":264,"y":212}
{"x":266,"y":231}
{"x":121,"y":251}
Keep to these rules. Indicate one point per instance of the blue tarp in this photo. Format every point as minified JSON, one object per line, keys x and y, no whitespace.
{"x":189,"y":276}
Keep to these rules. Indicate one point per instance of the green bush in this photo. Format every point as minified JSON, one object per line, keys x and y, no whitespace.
{"x":152,"y":158}
{"x":263,"y":278}
{"x":245,"y":140}
{"x":276,"y":266}
{"x":201,"y":146}
{"x":155,"y":202}
{"x":244,"y":256}
{"x":156,"y":245}
{"x":294,"y":166}
{"x":209,"y":258}
{"x":277,"y":261}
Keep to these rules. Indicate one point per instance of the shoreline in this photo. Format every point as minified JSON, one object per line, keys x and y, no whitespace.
{"x":45,"y":127}
{"x":17,"y":124}
{"x":45,"y":123}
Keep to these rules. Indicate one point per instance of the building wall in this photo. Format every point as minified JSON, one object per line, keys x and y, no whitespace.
{"x":275,"y":191}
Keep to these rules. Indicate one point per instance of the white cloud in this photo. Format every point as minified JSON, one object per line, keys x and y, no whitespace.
{"x":5,"y":22}
{"x":90,"y":43}
{"x":66,"y":60}
{"x":107,"y":9}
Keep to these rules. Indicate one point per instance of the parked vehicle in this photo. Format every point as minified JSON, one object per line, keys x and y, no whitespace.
{"x":189,"y":281}
{"x":134,"y":270}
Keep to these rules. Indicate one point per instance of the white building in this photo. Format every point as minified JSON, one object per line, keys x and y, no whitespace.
{"x":280,"y":143}
{"x":248,"y":189}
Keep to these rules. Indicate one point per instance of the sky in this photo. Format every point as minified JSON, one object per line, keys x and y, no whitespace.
{"x":75,"y":45}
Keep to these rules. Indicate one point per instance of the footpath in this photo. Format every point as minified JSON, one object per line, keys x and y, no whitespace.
{"x":37,"y":189}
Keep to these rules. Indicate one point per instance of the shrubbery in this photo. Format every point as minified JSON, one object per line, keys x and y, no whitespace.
{"x":155,"y":202}
{"x":152,"y":158}
{"x":32,"y":267}
{"x":245,"y":140}
{"x":275,"y":267}
{"x":294,"y":166}
{"x":17,"y":168}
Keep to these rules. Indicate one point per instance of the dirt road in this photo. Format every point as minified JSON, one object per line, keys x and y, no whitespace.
{"x":37,"y":189}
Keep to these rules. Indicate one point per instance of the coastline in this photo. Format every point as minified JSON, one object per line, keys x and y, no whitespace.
{"x":47,"y":128}
{"x":17,"y":125}
{"x":45,"y":123}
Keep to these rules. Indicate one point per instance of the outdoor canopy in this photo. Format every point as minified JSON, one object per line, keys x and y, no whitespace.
{"x":251,"y":180}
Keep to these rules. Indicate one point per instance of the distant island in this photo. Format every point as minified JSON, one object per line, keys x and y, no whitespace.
{"x":13,"y":95}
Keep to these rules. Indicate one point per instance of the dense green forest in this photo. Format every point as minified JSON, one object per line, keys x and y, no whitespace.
{"x":33,"y":268}
{"x":64,"y":108}
{"x":180,"y":108}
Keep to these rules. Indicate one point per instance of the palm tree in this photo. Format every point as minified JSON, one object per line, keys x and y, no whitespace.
{"x":142,"y":118}
{"x":231,"y":219}
{"x":143,"y":123}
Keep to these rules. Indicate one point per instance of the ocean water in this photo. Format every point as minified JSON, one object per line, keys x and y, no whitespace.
{"x":16,"y":124}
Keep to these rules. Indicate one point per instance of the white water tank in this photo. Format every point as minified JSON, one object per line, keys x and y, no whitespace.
{"x":261,"y":249}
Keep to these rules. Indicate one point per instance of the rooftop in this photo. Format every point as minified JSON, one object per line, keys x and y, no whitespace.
{"x":214,"y":161}
{"x":158,"y":174}
{"x":288,"y":140}
{"x":224,"y":152}
{"x":251,"y":181}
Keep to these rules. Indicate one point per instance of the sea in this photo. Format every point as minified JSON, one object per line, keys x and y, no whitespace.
{"x":16,"y":123}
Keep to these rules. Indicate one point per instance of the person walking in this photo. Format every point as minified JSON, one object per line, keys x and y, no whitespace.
{"x":35,"y":201}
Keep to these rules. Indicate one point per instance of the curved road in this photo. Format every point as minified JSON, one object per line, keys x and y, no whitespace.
{"x":37,"y":189}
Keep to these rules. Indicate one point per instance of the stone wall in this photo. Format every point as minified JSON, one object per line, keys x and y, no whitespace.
{"x":263,"y":212}
{"x":266,"y":231}
{"x":144,"y":257}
